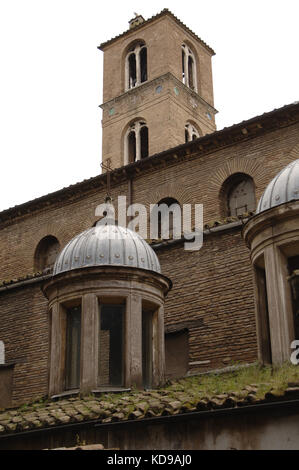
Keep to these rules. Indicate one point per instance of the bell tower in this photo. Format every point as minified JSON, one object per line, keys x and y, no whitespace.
{"x":157,"y":91}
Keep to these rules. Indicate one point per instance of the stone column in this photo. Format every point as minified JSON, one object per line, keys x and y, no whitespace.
{"x":57,"y":354}
{"x":262,"y":316}
{"x":138,"y":68}
{"x":138,"y":141}
{"x":127,"y":84}
{"x":161,"y":346}
{"x":134,"y":341}
{"x":89,"y":343}
{"x":186,"y":68}
{"x":279,"y":304}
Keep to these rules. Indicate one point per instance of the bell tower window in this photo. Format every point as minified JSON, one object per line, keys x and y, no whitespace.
{"x":136,"y":142}
{"x":136,"y":66}
{"x":191,"y":132}
{"x":189,"y":75}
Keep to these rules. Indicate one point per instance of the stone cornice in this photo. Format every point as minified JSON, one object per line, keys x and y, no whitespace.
{"x":156,"y":81}
{"x":205,"y":145}
{"x":269,"y":218}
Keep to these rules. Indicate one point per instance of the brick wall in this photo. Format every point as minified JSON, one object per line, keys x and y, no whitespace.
{"x":213,"y":285}
{"x":24,"y":328}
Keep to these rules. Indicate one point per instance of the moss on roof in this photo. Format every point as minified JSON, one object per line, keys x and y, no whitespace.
{"x":239,"y":387}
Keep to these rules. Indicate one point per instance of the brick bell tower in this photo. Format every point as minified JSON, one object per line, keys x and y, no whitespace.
{"x":158,"y":89}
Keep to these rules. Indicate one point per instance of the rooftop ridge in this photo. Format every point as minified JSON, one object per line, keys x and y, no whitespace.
{"x":164,"y":12}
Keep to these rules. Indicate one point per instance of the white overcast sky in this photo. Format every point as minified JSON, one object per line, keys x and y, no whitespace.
{"x":51,"y":77}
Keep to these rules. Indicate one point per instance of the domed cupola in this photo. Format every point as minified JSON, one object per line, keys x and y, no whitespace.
{"x":283,"y":188}
{"x":106,"y":302}
{"x":107,"y":245}
{"x":272,"y":235}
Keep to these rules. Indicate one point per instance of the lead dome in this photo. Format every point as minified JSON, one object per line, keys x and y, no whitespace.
{"x":283,"y":188}
{"x":107,"y":245}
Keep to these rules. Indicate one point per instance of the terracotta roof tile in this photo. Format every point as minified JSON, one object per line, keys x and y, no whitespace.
{"x":183,"y":396}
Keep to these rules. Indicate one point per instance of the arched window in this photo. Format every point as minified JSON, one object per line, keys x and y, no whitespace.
{"x":191,"y":132}
{"x":136,"y":66}
{"x":169,"y":221}
{"x":136,"y":142}
{"x":239,"y":195}
{"x":189,"y":75}
{"x":46,"y":253}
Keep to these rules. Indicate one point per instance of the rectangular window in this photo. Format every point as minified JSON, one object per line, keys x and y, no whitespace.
{"x":73,"y":342}
{"x":147,"y":348}
{"x":111,"y":345}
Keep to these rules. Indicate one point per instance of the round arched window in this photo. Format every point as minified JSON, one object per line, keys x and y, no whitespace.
{"x":240,"y":195}
{"x":136,"y":142}
{"x":136,"y":66}
{"x":46,"y":253}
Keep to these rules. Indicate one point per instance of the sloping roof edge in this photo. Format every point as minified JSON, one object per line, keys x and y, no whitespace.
{"x":164,"y":12}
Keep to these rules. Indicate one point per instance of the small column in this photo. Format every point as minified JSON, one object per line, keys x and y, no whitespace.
{"x":134,"y":331}
{"x":126,"y":148}
{"x":89,"y":343}
{"x":138,"y":70}
{"x":138,"y":141}
{"x":186,"y":68}
{"x":127,"y":84}
{"x":279,"y":304}
{"x":159,"y":367}
{"x":261,"y":316}
{"x":2,"y":353}
{"x":57,"y":354}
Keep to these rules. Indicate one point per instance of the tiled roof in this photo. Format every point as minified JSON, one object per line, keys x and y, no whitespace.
{"x":183,"y":396}
{"x":153,"y":18}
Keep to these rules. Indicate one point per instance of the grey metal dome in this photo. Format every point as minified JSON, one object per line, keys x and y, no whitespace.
{"x":107,"y":245}
{"x":283,"y":188}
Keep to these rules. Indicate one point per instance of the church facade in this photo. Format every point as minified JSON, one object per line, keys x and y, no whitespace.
{"x":210,"y":308}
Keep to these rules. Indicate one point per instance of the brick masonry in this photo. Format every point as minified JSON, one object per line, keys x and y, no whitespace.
{"x":213,"y":285}
{"x":212,"y":288}
{"x":166,"y":112}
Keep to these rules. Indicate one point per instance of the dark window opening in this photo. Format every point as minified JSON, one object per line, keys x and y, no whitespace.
{"x":143,"y":64}
{"x":168,"y":201}
{"x":191,"y":72}
{"x":73,"y":342}
{"x":132,"y":71}
{"x":183,"y":66}
{"x":147,"y":348}
{"x":111,"y":345}
{"x":132,"y":146}
{"x":293,"y":267}
{"x":186,"y":135}
{"x":144,"y":141}
{"x":263,"y":317}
